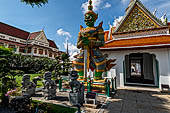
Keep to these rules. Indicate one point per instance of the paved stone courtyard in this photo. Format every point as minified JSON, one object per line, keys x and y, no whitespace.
{"x":126,"y":100}
{"x":62,"y":99}
{"x":139,"y":100}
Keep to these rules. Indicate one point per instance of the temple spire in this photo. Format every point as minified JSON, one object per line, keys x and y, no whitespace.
{"x":67,"y":48}
{"x":90,"y":7}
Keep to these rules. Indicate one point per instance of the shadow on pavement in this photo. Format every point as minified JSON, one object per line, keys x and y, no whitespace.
{"x":139,"y":101}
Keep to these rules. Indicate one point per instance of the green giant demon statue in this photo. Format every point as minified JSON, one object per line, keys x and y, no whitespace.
{"x":90,"y":39}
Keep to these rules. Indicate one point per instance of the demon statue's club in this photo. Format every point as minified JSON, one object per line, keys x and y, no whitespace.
{"x":90,"y":39}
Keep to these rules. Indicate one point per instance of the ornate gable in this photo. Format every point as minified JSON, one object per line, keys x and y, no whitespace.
{"x":137,"y":18}
{"x":42,"y":38}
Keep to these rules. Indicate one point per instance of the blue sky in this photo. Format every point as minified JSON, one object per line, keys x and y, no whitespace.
{"x":61,"y":19}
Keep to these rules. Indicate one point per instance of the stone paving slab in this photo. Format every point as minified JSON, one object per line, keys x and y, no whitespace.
{"x":139,"y":100}
{"x":62,"y":99}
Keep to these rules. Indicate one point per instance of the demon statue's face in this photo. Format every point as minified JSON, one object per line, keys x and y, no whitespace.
{"x":89,"y":19}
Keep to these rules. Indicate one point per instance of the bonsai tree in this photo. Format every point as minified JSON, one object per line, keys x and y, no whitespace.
{"x":58,"y":68}
{"x":66,"y":65}
{"x":5,"y":79}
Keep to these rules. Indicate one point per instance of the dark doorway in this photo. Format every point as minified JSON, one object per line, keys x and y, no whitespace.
{"x":139,"y":69}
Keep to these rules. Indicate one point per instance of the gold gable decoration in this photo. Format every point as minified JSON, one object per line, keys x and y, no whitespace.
{"x":137,"y":20}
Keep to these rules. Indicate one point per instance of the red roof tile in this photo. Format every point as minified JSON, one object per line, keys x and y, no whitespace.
{"x":106,"y":33}
{"x":33,"y":35}
{"x":138,"y":42}
{"x":52,"y":44}
{"x":13,"y":31}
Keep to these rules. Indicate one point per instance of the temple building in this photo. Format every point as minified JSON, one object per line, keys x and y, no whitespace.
{"x":33,"y":44}
{"x":141,"y":44}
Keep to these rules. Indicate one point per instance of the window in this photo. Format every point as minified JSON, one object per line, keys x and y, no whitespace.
{"x":1,"y":44}
{"x":29,"y":50}
{"x":35,"y":50}
{"x":45,"y":52}
{"x":12,"y":39}
{"x":1,"y":36}
{"x":12,"y":46}
{"x":55,"y":54}
{"x":41,"y":44}
{"x":22,"y":41}
{"x":41,"y":51}
{"x":22,"y":49}
{"x":50,"y":54}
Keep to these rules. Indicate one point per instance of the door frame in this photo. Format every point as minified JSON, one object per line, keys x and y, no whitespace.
{"x":140,"y":84}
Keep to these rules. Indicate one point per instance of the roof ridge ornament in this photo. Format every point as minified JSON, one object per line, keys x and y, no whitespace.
{"x":164,"y":19}
{"x":155,"y":11}
{"x":130,"y":4}
{"x":90,"y":7}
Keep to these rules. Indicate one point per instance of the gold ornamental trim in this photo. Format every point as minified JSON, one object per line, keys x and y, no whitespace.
{"x":92,"y":38}
{"x":137,"y":20}
{"x":79,"y":70}
{"x":100,"y":63}
{"x":89,"y":28}
{"x":147,"y":16}
{"x":78,"y":63}
{"x":101,"y":32}
{"x":100,"y":70}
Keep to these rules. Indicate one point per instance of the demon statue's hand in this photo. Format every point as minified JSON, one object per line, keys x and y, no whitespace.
{"x":85,"y":41}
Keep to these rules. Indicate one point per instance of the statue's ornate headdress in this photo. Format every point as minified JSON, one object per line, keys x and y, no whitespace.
{"x":90,"y":10}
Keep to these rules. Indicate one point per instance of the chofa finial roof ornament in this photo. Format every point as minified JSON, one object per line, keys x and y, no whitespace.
{"x":131,"y":0}
{"x":90,"y":10}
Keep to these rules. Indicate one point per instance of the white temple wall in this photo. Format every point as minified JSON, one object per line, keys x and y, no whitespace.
{"x":162,"y":55}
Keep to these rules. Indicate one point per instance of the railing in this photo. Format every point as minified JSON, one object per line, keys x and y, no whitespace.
{"x":114,"y":84}
{"x":109,"y":85}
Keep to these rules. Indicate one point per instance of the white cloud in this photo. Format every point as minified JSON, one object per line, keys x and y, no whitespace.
{"x":96,"y":5}
{"x":117,"y":20}
{"x":85,"y":7}
{"x":61,"y":32}
{"x":164,"y":5}
{"x":124,"y":1}
{"x":145,"y":0}
{"x":107,"y":5}
{"x":73,"y":50}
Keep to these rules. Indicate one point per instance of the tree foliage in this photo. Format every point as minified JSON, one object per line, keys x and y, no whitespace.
{"x":5,"y":75}
{"x":35,"y":2}
{"x":12,"y":65}
{"x":66,"y":65}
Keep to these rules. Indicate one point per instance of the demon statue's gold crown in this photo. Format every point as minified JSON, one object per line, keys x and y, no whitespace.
{"x":90,"y":10}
